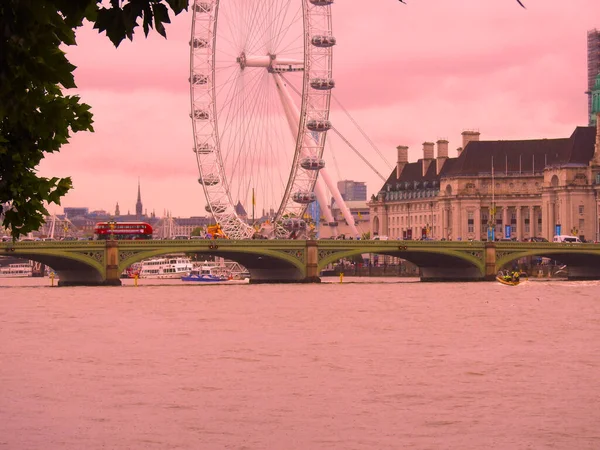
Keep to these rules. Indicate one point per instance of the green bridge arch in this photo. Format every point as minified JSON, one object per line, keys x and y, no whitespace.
{"x":434,"y":258}
{"x":72,"y":260}
{"x":286,"y":257}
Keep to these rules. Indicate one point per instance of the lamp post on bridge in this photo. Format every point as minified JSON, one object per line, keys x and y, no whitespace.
{"x":112,"y":224}
{"x":409,"y":229}
{"x":431,"y":223}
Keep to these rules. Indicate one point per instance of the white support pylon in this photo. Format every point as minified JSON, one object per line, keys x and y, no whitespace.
{"x":324,"y":179}
{"x":293,"y":117}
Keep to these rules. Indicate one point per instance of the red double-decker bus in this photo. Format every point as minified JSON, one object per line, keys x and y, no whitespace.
{"x":122,"y":230}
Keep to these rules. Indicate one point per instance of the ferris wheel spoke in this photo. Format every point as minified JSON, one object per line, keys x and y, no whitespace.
{"x":257,"y":40}
{"x":252,"y":24}
{"x":258,"y":133}
{"x":234,"y":105}
{"x":291,"y":50}
{"x":243,"y":131}
{"x":282,"y":29}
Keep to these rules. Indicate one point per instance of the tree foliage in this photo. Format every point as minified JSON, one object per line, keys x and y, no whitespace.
{"x":35,"y":116}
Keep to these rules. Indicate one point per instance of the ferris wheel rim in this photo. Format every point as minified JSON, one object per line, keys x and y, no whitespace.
{"x":221,"y":205}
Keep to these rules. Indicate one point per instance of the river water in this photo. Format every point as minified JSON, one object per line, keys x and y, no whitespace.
{"x":371,"y":364}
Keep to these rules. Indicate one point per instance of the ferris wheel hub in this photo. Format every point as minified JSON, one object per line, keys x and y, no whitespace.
{"x":255,"y":60}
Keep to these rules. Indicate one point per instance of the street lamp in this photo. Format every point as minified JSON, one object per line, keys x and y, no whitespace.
{"x":431,"y":209}
{"x":409,"y":230}
{"x":111,"y":224}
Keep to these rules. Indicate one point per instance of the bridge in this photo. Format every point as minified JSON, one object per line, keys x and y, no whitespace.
{"x":298,"y":261}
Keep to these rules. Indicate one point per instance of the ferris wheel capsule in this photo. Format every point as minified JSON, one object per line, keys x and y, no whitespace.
{"x":323,"y":41}
{"x":199,"y":43}
{"x":208,"y":180}
{"x":204,"y":149}
{"x":294,"y":224}
{"x":203,"y":7}
{"x":318,"y":125}
{"x":304,"y":197}
{"x":200,"y":114}
{"x":198,"y":79}
{"x":312,"y":163}
{"x":217,"y":207}
{"x":322,"y":84}
{"x":321,"y":2}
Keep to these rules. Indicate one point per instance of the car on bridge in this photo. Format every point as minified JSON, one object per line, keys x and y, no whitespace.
{"x":535,"y":239}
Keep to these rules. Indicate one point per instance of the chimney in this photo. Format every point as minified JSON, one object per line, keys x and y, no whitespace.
{"x":427,"y":156}
{"x":428,"y":150}
{"x":442,"y":154}
{"x":402,"y":159}
{"x":468,"y":136}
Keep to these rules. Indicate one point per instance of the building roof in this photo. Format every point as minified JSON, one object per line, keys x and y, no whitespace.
{"x":524,"y":156}
{"x":413,"y":173}
{"x":239,"y":209}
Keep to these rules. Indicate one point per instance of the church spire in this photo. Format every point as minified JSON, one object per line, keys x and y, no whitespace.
{"x":138,"y":204}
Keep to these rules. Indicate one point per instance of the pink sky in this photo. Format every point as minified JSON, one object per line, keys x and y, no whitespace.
{"x":407,"y":74}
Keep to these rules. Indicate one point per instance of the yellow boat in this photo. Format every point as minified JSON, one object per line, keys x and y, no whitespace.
{"x":510,"y":279}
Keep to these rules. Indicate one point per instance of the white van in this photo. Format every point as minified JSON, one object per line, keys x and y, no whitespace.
{"x":567,"y":239}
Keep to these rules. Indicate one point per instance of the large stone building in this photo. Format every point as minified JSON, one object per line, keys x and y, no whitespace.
{"x":518,"y":189}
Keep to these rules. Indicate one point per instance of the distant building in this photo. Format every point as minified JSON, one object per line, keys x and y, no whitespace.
{"x":593,"y":64}
{"x":352,"y":190}
{"x":241,"y":211}
{"x":167,"y":227}
{"x":76,"y":212}
{"x":360,"y":212}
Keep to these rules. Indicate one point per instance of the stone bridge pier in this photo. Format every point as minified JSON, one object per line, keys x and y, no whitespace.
{"x":113,"y":274}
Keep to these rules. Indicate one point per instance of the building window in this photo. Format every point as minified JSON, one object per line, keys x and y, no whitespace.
{"x":580,"y":209}
{"x":470,"y":222}
{"x":527,"y":227}
{"x":581,"y":225}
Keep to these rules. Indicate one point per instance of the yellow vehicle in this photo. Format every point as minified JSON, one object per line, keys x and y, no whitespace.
{"x":215,"y":231}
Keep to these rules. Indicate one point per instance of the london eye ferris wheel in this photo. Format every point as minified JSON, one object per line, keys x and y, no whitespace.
{"x":260,"y":87}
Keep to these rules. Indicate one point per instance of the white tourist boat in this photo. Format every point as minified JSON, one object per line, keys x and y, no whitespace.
{"x":223,"y":268}
{"x":16,"y":270}
{"x":168,"y":267}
